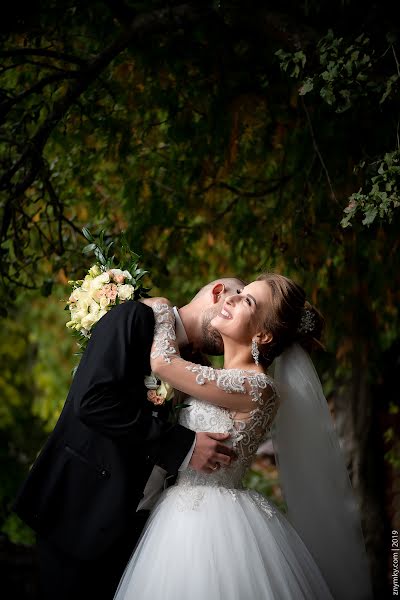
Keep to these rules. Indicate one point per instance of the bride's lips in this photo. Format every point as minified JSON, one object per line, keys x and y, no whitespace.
{"x":225,"y":314}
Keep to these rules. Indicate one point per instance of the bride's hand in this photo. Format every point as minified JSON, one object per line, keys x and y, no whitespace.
{"x":151,"y":301}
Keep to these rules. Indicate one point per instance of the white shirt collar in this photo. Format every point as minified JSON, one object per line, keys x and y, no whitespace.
{"x":181,"y":336}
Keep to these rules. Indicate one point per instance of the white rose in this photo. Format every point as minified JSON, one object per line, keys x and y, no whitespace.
{"x":126,"y":274}
{"x":96,"y":295}
{"x":87,"y":283}
{"x":99,"y":281}
{"x":83,"y":301}
{"x":165,"y":390}
{"x":104,"y":302}
{"x":73,"y":310}
{"x":125,"y":291}
{"x":94,"y":307}
{"x":115,"y":271}
{"x":79,"y":315}
{"x":88,"y":321}
{"x":77,"y":294}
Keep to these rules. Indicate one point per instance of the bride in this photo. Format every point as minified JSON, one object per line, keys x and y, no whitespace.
{"x":208,"y":538}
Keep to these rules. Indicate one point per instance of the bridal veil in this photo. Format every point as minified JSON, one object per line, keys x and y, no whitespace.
{"x":314,"y":479}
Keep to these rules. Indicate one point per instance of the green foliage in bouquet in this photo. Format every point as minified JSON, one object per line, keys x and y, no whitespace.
{"x":115,"y":278}
{"x":126,"y":259}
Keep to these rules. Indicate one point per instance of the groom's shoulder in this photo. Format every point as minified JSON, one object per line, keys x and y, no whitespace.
{"x":128,"y":316}
{"x":128,"y":309}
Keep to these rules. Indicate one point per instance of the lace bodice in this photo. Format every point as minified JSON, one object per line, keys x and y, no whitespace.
{"x":246,"y":435}
{"x":207,"y":413}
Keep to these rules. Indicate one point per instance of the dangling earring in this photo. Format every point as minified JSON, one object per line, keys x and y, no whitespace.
{"x":255,"y":351}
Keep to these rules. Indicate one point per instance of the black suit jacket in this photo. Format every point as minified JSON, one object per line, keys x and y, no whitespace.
{"x":84,"y":487}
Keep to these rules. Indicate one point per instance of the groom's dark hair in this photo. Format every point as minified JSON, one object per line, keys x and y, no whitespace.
{"x":232,"y":280}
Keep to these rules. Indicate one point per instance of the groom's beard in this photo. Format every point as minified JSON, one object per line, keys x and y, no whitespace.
{"x":211,"y":339}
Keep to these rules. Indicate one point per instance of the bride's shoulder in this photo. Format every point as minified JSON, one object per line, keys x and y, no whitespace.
{"x":255,"y":381}
{"x":256,"y":376}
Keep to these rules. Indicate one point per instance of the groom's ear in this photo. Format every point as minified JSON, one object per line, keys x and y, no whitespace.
{"x":217,"y":290}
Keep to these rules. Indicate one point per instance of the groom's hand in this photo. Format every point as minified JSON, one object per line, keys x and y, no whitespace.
{"x":209,"y":454}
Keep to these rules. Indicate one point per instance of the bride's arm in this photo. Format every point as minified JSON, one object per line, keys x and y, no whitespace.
{"x":224,"y":387}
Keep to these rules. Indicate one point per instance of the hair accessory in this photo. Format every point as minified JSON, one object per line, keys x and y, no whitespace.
{"x":255,"y":352}
{"x":307,"y":321}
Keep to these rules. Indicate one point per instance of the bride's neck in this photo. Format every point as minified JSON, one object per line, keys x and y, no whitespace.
{"x":236,"y":355}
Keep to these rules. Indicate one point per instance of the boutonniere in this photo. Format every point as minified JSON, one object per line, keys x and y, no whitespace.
{"x":159,"y":392}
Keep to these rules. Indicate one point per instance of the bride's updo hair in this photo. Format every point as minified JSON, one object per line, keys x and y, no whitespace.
{"x":290,"y":319}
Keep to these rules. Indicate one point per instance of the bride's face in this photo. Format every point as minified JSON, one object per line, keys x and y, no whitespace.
{"x":242,"y":315}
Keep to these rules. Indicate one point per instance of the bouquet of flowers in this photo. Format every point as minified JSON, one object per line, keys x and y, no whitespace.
{"x":107,"y":283}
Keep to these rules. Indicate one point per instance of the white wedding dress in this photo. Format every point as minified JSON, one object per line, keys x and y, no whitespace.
{"x":208,"y":538}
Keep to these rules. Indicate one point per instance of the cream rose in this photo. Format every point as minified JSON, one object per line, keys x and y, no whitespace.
{"x":87,"y":283}
{"x":125,"y":292}
{"x":104,"y":301}
{"x":99,"y":281}
{"x":87,"y":321}
{"x":77,"y":294}
{"x":91,"y":318}
{"x":165,"y":390}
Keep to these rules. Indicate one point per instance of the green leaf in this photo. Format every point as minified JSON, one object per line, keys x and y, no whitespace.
{"x":87,"y":234}
{"x":89,"y":248}
{"x":100,"y":256}
{"x":370,"y":216}
{"x":180,"y":406}
{"x":327,"y":95}
{"x":307,"y":86}
{"x":142,"y":274}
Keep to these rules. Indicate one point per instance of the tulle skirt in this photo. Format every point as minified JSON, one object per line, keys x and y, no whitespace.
{"x":213,"y":543}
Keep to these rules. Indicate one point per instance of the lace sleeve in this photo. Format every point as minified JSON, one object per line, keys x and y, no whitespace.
{"x":230,"y":388}
{"x":234,"y":381}
{"x":164,"y":341}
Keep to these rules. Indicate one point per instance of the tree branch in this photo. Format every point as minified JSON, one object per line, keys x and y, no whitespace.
{"x":314,"y":141}
{"x":58,"y":209}
{"x":7,"y":105}
{"x":245,"y":194}
{"x":63,"y":56}
{"x":155,"y":22}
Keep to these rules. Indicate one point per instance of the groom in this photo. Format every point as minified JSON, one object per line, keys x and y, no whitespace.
{"x":83,"y":490}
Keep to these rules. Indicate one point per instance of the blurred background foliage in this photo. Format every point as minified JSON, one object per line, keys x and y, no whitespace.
{"x":223,"y":138}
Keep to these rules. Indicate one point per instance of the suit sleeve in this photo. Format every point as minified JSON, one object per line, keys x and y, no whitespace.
{"x":108,"y":389}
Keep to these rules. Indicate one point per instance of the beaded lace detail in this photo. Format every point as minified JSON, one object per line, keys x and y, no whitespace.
{"x":164,"y":332}
{"x":233,"y":380}
{"x":245,"y":434}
